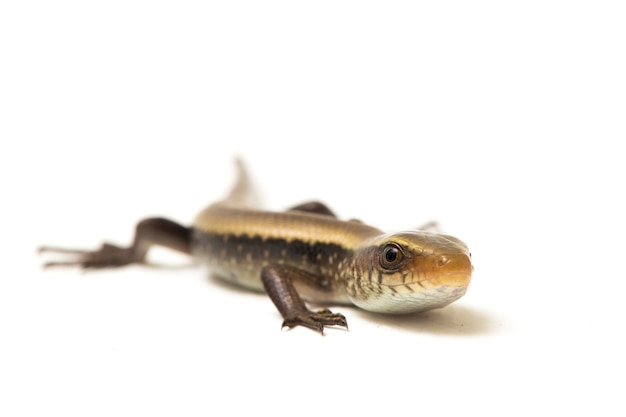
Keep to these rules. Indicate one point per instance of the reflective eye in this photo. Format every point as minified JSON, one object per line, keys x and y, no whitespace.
{"x":391,"y":256}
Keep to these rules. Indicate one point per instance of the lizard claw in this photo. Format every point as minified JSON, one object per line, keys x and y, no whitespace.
{"x":316,"y":320}
{"x":107,"y":256}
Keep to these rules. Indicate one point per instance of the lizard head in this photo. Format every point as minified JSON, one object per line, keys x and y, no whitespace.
{"x":409,"y":272}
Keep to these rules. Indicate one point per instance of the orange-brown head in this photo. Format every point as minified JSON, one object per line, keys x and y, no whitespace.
{"x":409,"y":271}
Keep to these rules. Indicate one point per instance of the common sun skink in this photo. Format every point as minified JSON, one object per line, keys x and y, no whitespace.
{"x":305,"y":254}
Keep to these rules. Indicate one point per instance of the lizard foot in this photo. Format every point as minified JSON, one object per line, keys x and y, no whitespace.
{"x":316,"y":320}
{"x":108,"y":256}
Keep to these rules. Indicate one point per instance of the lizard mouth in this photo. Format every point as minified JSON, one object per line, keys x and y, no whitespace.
{"x":404,"y":299}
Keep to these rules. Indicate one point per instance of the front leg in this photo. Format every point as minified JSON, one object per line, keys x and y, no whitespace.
{"x":148,"y":233}
{"x":278,"y":281}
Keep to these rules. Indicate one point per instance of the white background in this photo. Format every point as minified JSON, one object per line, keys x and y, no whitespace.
{"x":504,"y":121}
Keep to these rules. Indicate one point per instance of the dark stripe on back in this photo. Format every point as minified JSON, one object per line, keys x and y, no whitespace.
{"x":214,"y":246}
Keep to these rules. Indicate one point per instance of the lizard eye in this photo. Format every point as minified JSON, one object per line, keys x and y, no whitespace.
{"x":391,"y":256}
